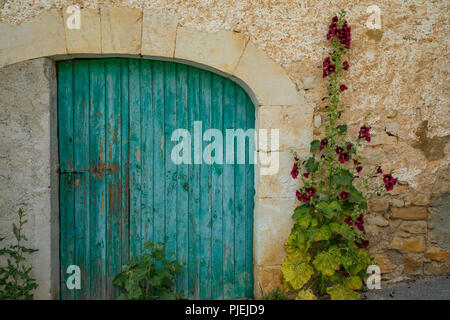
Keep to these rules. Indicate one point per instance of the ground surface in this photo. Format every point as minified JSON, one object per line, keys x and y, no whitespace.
{"x":425,"y":288}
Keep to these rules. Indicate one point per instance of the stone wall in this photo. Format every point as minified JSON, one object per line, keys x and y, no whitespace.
{"x":399,"y":73}
{"x":27,"y":94}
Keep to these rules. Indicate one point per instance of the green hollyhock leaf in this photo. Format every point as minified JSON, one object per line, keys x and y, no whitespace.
{"x":297,"y":248}
{"x":342,"y":129}
{"x":355,"y":196}
{"x":353,"y":283}
{"x":296,"y":273}
{"x":323,"y":233}
{"x":306,"y":295}
{"x":312,"y":165}
{"x":329,"y":209}
{"x":315,"y":145}
{"x":302,"y":216}
{"x":339,"y":292}
{"x":327,"y":262}
{"x":343,"y":178}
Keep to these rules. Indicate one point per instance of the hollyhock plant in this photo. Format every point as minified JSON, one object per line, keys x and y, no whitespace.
{"x":326,"y":252}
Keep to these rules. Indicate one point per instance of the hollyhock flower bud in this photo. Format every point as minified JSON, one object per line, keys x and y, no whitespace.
{"x":344,"y":195}
{"x":379,"y":170}
{"x":343,"y":87}
{"x":349,"y":147}
{"x":298,"y":195}
{"x":306,"y":175}
{"x":294,"y":171}
{"x":358,"y":169}
{"x":326,"y":62}
{"x":344,"y":157}
{"x":339,"y":150}
{"x":345,"y":65}
{"x":311,"y":191}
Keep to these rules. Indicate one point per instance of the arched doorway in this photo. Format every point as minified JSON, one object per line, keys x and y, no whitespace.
{"x":120,"y":188}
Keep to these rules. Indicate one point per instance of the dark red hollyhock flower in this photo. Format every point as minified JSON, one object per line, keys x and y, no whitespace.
{"x":359,"y":222}
{"x":345,"y":65}
{"x":294,"y":171}
{"x":362,"y":244}
{"x":306,"y":198}
{"x":311,"y":191}
{"x":355,"y":162}
{"x":331,"y":68}
{"x":344,"y":157}
{"x":339,"y":150}
{"x":326,"y":62}
{"x":389,"y":186}
{"x":335,"y":19}
{"x":343,"y":87}
{"x":349,"y":147}
{"x":364,"y":132}
{"x":349,"y":220}
{"x":387,"y":178}
{"x":299,"y":195}
{"x":325,"y":73}
{"x":306,"y":175}
{"x":323,"y":143}
{"x":379,"y":170}
{"x":344,"y":195}
{"x":358,"y":169}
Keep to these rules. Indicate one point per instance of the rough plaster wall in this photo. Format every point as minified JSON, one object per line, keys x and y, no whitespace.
{"x":25,"y":100}
{"x":399,"y":73}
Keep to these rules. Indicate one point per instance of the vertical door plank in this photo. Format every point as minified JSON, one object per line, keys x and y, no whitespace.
{"x":147,"y":150}
{"x":171,"y":168}
{"x":158,"y":149}
{"x":125,"y":165}
{"x":113,"y":191}
{"x":135,"y":159}
{"x":217,"y":188}
{"x":67,"y":204}
{"x":205,"y":192}
{"x":249,"y":201}
{"x":228,"y":195}
{"x":97,"y":187}
{"x":194,"y":187}
{"x":182,"y":245}
{"x":239,"y":198}
{"x":81,"y":179}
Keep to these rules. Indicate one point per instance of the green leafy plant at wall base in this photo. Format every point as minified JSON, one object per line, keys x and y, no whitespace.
{"x":16,"y":282}
{"x":326,"y":253}
{"x":148,"y":276}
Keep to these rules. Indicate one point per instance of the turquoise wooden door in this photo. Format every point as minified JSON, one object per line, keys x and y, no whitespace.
{"x":120,"y":188}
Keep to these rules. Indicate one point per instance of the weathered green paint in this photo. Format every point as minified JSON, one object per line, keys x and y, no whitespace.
{"x":120,"y":188}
